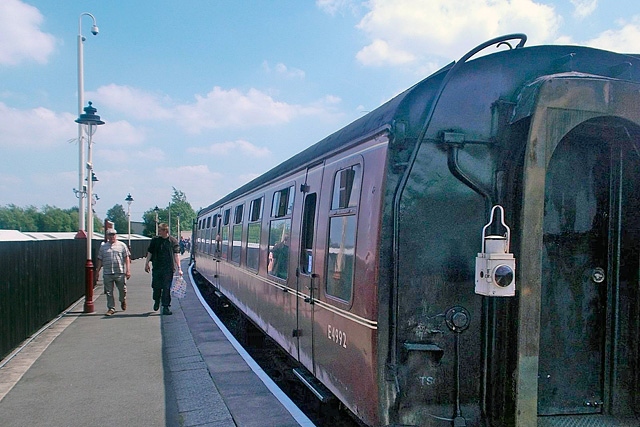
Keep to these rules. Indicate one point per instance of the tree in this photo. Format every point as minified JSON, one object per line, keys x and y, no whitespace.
{"x":13,"y":217}
{"x":50,"y":219}
{"x":178,"y":206}
{"x":118,"y":216}
{"x":55,"y":219}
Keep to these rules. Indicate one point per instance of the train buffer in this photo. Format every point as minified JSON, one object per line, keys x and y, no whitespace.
{"x":138,"y":368}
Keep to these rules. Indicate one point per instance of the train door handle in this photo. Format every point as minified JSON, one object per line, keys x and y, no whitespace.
{"x":598,"y":275}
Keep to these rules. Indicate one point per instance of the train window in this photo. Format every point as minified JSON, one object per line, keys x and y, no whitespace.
{"x":255,"y":210}
{"x":227,"y":214}
{"x":207,"y":236}
{"x":225,"y":233}
{"x":308,"y":222}
{"x":279,"y":232}
{"x":346,"y":188}
{"x":237,"y":217}
{"x":282,"y":203}
{"x":341,"y":256}
{"x":225,"y":241}
{"x":211,"y":244}
{"x":253,"y":234}
{"x":342,"y":232}
{"x":253,"y":245}
{"x":236,"y":243}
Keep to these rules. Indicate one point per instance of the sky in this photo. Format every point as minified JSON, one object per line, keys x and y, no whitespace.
{"x":205,"y":95}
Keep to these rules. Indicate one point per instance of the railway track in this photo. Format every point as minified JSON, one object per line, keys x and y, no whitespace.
{"x":275,"y":362}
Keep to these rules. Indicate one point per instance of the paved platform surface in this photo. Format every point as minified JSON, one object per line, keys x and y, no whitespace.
{"x":138,"y":368}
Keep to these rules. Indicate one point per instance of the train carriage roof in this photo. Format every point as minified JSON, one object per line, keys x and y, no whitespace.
{"x":503,"y":73}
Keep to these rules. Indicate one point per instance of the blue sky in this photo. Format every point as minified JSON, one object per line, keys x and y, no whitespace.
{"x":204,"y":95}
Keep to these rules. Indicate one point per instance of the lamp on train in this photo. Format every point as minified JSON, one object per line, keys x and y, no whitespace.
{"x":90,"y":122}
{"x":129,"y":199}
{"x":495,"y":265}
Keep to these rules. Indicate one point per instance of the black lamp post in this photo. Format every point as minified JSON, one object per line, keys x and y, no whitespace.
{"x":129,"y":199}
{"x":156,"y":209}
{"x":91,"y":121}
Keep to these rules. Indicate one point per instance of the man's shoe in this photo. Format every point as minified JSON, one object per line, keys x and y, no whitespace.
{"x":166,"y":311}
{"x":156,"y":305}
{"x":124,"y":305}
{"x":110,"y":312}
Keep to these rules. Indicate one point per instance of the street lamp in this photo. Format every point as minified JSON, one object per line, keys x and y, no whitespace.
{"x":129,"y":199}
{"x":81,"y":194}
{"x":179,"y":236}
{"x":156,"y":211}
{"x":91,"y":121}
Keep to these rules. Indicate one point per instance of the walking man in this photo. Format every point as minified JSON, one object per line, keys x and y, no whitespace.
{"x":115,"y":258}
{"x":163,"y":253}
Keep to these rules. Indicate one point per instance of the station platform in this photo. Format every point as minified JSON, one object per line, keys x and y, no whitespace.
{"x":139,"y":368}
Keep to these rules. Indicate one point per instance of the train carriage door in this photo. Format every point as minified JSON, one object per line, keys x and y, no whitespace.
{"x":591,"y":242}
{"x":583,"y":257}
{"x":307,"y":271}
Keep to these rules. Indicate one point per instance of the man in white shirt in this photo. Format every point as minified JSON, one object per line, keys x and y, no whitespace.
{"x":115,"y":258}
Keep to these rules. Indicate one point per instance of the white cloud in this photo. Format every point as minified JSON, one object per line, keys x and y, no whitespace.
{"x":20,"y":36}
{"x":284,"y":71}
{"x":380,"y":53}
{"x":584,"y":8}
{"x":401,"y":31}
{"x":127,"y":157}
{"x":35,"y":128}
{"x":222,"y":108}
{"x":625,"y":39}
{"x":238,"y":147}
{"x":131,"y":101}
{"x":219,"y":108}
{"x":120,"y":133}
{"x":334,"y":6}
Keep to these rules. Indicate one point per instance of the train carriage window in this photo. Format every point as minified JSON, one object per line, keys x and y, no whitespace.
{"x":342,"y":232}
{"x":207,"y":237}
{"x":255,"y":210}
{"x":279,"y":232}
{"x":346,"y":188}
{"x":236,"y":245}
{"x":341,"y":256}
{"x":213,"y":249}
{"x":225,"y":233}
{"x":282,"y":203}
{"x":198,"y":234}
{"x":253,"y":233}
{"x":308,"y":224}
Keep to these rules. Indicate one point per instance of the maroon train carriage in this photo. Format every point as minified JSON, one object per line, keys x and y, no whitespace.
{"x":467,"y":254}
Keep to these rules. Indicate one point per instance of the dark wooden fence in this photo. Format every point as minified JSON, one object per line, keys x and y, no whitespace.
{"x":39,"y":280}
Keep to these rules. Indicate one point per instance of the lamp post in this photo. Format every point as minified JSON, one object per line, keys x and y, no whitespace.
{"x":156,"y":211}
{"x":179,"y":235}
{"x":129,"y":199}
{"x":91,"y":121}
{"x":81,"y":194}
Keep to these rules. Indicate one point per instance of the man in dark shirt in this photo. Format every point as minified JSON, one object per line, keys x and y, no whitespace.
{"x":163,"y":253}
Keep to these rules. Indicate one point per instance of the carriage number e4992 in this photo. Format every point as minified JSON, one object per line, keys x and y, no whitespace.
{"x":337,"y":336}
